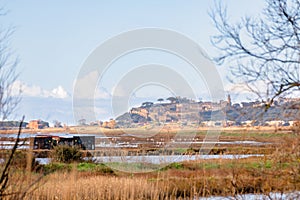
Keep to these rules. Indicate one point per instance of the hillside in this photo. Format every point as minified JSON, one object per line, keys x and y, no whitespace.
{"x":184,"y":111}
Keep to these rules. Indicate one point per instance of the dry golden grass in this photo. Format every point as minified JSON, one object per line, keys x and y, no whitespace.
{"x":71,"y":186}
{"x":217,"y":177}
{"x":188,"y":180}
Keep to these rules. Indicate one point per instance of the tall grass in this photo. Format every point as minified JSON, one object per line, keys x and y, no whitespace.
{"x":72,"y":186}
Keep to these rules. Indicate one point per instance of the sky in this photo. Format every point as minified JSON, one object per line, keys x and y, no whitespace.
{"x":53,"y":39}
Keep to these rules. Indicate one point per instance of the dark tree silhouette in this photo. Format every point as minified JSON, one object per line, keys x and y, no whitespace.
{"x":147,"y":104}
{"x":160,"y":100}
{"x":57,"y":124}
{"x":172,"y":99}
{"x":263,"y":53}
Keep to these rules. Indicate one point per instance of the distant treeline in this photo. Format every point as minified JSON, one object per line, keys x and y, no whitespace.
{"x":11,"y":124}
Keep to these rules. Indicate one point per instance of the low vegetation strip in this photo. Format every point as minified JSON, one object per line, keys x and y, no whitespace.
{"x":178,"y":180}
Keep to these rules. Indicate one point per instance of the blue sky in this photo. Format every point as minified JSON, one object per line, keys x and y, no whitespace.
{"x":53,"y":38}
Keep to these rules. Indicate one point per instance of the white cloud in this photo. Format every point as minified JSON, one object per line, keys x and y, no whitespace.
{"x":37,"y":91}
{"x":59,"y":92}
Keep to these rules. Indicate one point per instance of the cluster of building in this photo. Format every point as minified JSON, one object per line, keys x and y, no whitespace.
{"x":222,"y":113}
{"x":111,"y":124}
{"x":37,"y":124}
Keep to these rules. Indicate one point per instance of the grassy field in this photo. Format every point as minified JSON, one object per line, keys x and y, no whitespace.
{"x":277,"y":171}
{"x":186,"y":180}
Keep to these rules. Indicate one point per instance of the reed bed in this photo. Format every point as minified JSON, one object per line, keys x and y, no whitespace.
{"x":71,"y":186}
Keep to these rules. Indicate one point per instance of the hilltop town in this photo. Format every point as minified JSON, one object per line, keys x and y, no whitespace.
{"x":284,"y":112}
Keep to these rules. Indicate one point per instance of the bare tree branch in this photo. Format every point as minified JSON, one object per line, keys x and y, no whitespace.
{"x":5,"y":172}
{"x":8,"y":75}
{"x":263,"y":50}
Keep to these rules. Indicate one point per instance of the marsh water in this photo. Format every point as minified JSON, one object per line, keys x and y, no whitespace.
{"x":103,"y":142}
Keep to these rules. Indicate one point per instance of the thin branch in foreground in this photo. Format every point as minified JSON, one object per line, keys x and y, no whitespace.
{"x":5,"y":172}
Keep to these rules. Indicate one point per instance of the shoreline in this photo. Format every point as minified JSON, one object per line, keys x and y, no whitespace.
{"x":160,"y":129}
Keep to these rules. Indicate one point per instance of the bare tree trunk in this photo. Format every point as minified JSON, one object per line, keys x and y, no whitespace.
{"x":5,"y":173}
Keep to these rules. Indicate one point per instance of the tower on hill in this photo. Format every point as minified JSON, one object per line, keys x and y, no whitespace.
{"x":229,"y":100}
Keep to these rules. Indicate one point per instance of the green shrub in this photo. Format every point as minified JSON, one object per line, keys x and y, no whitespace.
{"x":268,"y":164}
{"x":93,"y":167}
{"x":174,"y":165}
{"x":86,"y":166}
{"x":66,"y":154}
{"x":53,"y":167}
